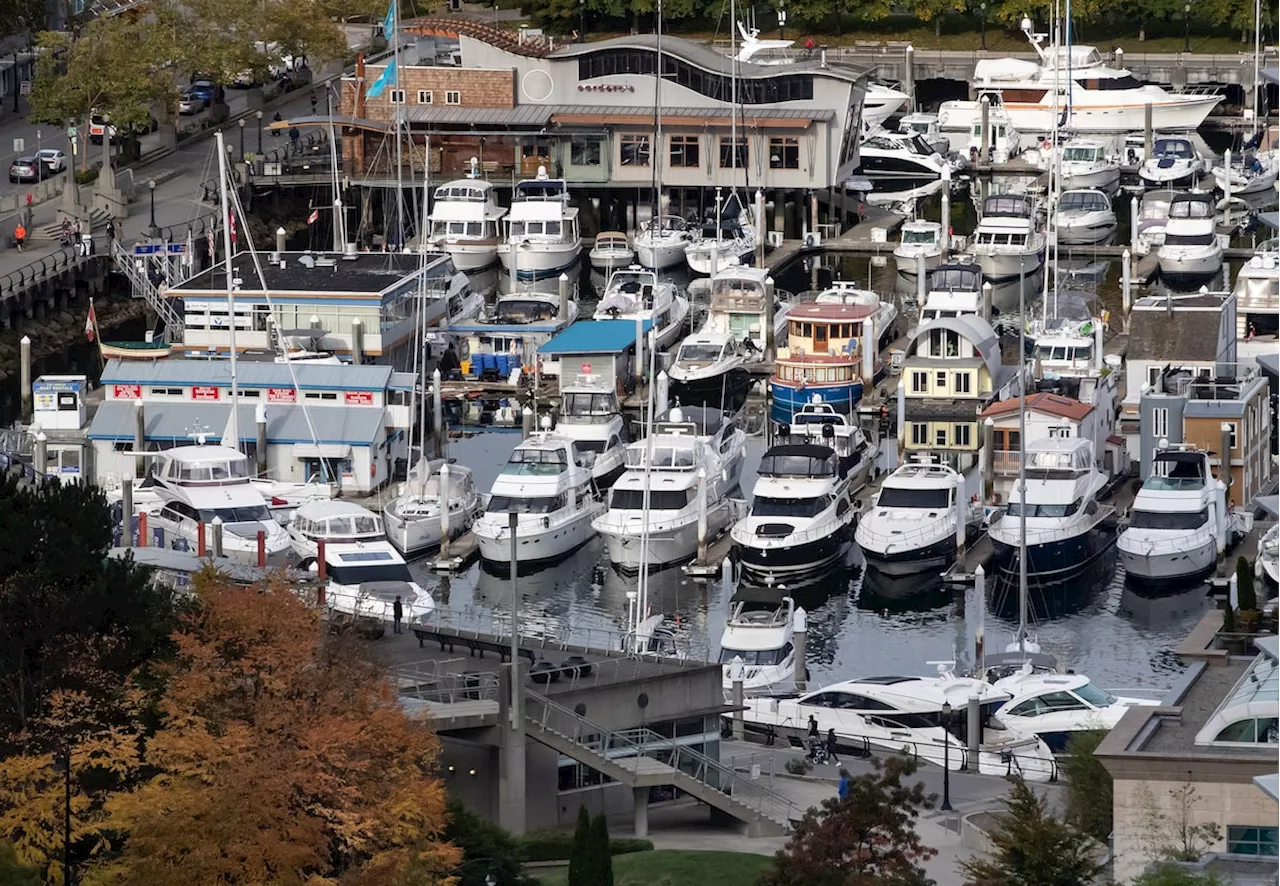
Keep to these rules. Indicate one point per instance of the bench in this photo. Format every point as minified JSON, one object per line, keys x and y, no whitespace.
{"x":475,"y":645}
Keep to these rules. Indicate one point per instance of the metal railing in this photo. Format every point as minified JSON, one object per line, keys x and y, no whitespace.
{"x":1169,"y":544}
{"x":1044,"y":535}
{"x":829,"y":526}
{"x":41,"y":269}
{"x":621,"y":744}
{"x":1006,"y":461}
{"x":423,"y":682}
{"x":173,"y":321}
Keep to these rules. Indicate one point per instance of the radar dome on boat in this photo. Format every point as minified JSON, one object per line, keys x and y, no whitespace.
{"x":677,"y":415}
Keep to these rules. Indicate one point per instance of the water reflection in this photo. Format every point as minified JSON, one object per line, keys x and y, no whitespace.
{"x":1161,"y":609}
{"x":889,"y":594}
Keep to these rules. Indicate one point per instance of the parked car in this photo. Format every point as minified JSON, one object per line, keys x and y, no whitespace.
{"x":26,"y":168}
{"x":190,"y":103}
{"x":53,"y":159}
{"x":207,"y":90}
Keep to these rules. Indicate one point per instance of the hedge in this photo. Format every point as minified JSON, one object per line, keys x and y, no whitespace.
{"x":554,"y":845}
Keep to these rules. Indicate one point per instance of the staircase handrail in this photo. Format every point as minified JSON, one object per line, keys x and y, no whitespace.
{"x":173,"y":321}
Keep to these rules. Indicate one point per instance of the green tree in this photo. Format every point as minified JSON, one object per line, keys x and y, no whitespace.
{"x":1237,"y":14}
{"x":580,"y":855}
{"x":23,"y":17}
{"x":1089,"y":787}
{"x":487,"y":849}
{"x":601,"y":854}
{"x":1170,"y":832}
{"x":1031,"y":846}
{"x":935,"y":10}
{"x":1172,"y":875}
{"x":14,"y":872}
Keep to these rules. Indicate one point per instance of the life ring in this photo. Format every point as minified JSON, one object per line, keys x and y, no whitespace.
{"x":995,"y":498}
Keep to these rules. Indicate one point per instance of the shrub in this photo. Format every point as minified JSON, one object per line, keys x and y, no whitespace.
{"x":799,"y":766}
{"x":556,"y":845}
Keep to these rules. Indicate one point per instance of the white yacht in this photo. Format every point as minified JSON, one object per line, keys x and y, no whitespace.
{"x":196,"y":485}
{"x":333,"y":522}
{"x":1004,"y":142}
{"x":880,"y":103}
{"x":912,"y":524}
{"x":591,"y":417}
{"x":724,"y":243}
{"x":1153,"y":218}
{"x":1063,"y":517}
{"x":1178,"y":523}
{"x":1269,"y":559}
{"x":763,"y":639}
{"x":907,"y":714}
{"x":465,"y":223}
{"x":413,"y":517}
{"x":893,"y":161}
{"x":920,"y":239}
{"x":547,"y":484}
{"x":1055,"y":707}
{"x":661,"y":243}
{"x":363,"y":582}
{"x":1006,"y":242}
{"x":512,"y":330}
{"x":1257,"y":292}
{"x":1191,"y":247}
{"x":709,"y":369}
{"x":801,"y":516}
{"x":611,"y":251}
{"x":542,"y":237}
{"x":819,"y":423}
{"x":656,"y":500}
{"x":1085,"y":164}
{"x":1099,"y":99}
{"x":954,"y":290}
{"x":637,"y":294}
{"x":1084,"y":216}
{"x":1065,"y":341}
{"x":926,"y":127}
{"x":1254,"y":173}
{"x":1174,"y":163}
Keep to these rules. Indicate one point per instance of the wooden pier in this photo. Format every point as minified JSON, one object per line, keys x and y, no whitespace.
{"x":462,"y":550}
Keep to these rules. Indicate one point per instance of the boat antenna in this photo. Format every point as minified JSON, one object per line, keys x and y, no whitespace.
{"x":233,"y":423}
{"x":399,"y":122}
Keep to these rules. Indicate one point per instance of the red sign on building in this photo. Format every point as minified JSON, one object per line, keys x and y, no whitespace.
{"x":359,"y":398}
{"x":282,"y":395}
{"x":204,"y":392}
{"x":126,"y":392}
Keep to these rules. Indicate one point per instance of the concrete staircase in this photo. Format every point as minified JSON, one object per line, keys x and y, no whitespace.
{"x":97,"y":219}
{"x":643,"y":758}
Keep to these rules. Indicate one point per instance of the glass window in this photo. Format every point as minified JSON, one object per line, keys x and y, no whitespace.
{"x":1262,"y":730}
{"x":962,"y":435}
{"x":963,"y":383}
{"x":1168,"y":519}
{"x":369,"y":572}
{"x":506,"y":504}
{"x":1246,"y":840}
{"x":920,"y":433}
{"x":784,"y":153}
{"x":919,"y":382}
{"x":397,"y":96}
{"x":1015,"y":509}
{"x":756,"y":656}
{"x":537,"y":462}
{"x":727,"y":158}
{"x":245,"y":514}
{"x":684,"y":150}
{"x":765,"y":506}
{"x":424,"y":96}
{"x":452,"y":97}
{"x":584,"y":151}
{"x":659,"y":499}
{"x":1099,"y":698}
{"x":634,"y":150}
{"x":893,"y":497}
{"x":940,"y":436}
{"x":1061,"y":701}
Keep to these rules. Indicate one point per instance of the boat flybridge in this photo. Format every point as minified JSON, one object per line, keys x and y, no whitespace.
{"x":591,"y":417}
{"x":1191,"y":247}
{"x":900,"y":713}
{"x":333,"y":522}
{"x":413,"y":518}
{"x":761,"y":639}
{"x":1178,"y":524}
{"x":915,"y":522}
{"x":691,"y":461}
{"x":925,"y":126}
{"x":1257,"y":294}
{"x":637,"y":294}
{"x":1055,"y":707}
{"x":542,"y":238}
{"x":465,"y":222}
{"x":1086,"y":164}
{"x":819,"y":423}
{"x":1006,"y":242}
{"x":921,"y":239}
{"x":954,"y":290}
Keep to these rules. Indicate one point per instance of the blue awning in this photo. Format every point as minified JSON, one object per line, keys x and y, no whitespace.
{"x":595,"y":337}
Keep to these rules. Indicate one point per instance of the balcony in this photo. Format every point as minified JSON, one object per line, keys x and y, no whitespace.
{"x":1006,"y":461}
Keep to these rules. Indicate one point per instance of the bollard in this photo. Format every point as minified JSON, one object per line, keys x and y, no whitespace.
{"x":142,"y":529}
{"x":662,"y":396}
{"x":800,"y":636}
{"x":437,"y":411}
{"x":24,"y":349}
{"x":126,"y":509}
{"x":526,"y":423}
{"x":702,"y":516}
{"x":202,"y":545}
{"x":217,"y":537}
{"x":922,"y":284}
{"x":980,"y":625}
{"x":40,"y":457}
{"x":444,"y":510}
{"x":262,"y":549}
{"x":564,"y":296}
{"x":974,"y":732}
{"x":357,"y":340}
{"x":139,"y":438}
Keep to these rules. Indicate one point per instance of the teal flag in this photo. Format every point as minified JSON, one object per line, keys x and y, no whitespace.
{"x":386,"y":78}
{"x":389,"y":23}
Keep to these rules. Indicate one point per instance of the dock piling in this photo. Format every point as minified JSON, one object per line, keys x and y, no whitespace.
{"x":946,"y":213}
{"x":322,"y":567}
{"x":444,"y":509}
{"x":988,"y":458}
{"x":1224,"y":460}
{"x":41,"y":455}
{"x":262,"y":549}
{"x":702,"y":516}
{"x":526,"y":423}
{"x":980,"y":622}
{"x":986,"y":301}
{"x":909,"y":74}
{"x":437,"y":411}
{"x":962,"y":503}
{"x":1133,"y":225}
{"x":281,"y":236}
{"x":24,"y":348}
{"x":1126,"y":284}
{"x":1148,"y":133}
{"x":126,"y":510}
{"x":260,"y":421}
{"x":357,"y":339}
{"x":564,"y":296}
{"x":1097,"y":347}
{"x":973,"y":733}
{"x":202,"y":541}
{"x":1226,"y":180}
{"x":869,"y":336}
{"x":770,"y":344}
{"x":800,"y":634}
{"x":922,"y":282}
{"x":639,"y":353}
{"x":902,"y":423}
{"x":142,"y":529}
{"x":139,"y":438}
{"x":760,"y":241}
{"x":662,"y":394}
{"x":984,"y":107}
{"x":737,"y":669}
{"x":217,"y":537}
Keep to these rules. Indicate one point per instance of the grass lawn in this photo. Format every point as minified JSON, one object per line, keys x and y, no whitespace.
{"x":674,"y":868}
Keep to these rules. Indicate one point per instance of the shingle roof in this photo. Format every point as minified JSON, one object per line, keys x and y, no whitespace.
{"x":348,"y":425}
{"x":1177,"y":336}
{"x":249,"y":373}
{"x":1054,"y":404}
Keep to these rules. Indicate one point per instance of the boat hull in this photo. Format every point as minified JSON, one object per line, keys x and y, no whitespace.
{"x":907,"y":263}
{"x":933,"y":557}
{"x":1103,"y":178}
{"x":667,"y":546}
{"x":659,"y":256}
{"x":540,"y":547}
{"x":472,"y":257}
{"x":1085,"y":232}
{"x":722,"y":390}
{"x":1057,"y":559}
{"x":1169,"y":563}
{"x":793,"y":561}
{"x":541,"y":261}
{"x":787,"y":400}
{"x":1006,"y":267}
{"x":1186,"y":263}
{"x":611,"y":261}
{"x":1182,"y":113}
{"x":699,"y":260}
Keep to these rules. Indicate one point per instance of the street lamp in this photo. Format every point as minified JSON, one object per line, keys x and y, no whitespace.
{"x":16,"y":84}
{"x":946,"y":757}
{"x":582,"y":20}
{"x":983,"y":9}
{"x":258,"y":114}
{"x":155,"y":231}
{"x":242,"y":137}
{"x":1186,"y":27}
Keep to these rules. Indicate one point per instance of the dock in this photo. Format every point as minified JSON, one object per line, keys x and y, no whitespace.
{"x":462,"y":550}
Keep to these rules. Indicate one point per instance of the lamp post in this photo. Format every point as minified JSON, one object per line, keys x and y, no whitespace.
{"x":983,"y":9}
{"x":946,"y":757}
{"x":1186,"y":27}
{"x":17,"y":85}
{"x":258,"y":114}
{"x":154,"y":230}
{"x":582,"y":20}
{"x":242,"y":138}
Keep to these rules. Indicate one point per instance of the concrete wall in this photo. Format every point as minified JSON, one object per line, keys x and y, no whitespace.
{"x":668,"y":697}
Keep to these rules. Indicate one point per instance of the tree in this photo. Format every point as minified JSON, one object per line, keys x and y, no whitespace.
{"x":1167,"y":874}
{"x":601,"y":855}
{"x":23,"y":17}
{"x":1089,"y":787}
{"x":285,"y":744}
{"x":1031,"y":846}
{"x":1174,"y":835}
{"x":869,"y":837}
{"x":487,"y":849}
{"x":581,"y":864}
{"x":14,"y":872}
{"x":935,"y":10}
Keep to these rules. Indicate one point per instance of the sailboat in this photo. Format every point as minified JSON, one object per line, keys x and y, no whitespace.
{"x":1257,"y":169}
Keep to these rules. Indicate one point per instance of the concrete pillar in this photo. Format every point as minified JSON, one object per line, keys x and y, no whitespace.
{"x":139,"y":438}
{"x":800,"y":636}
{"x":974,"y":733}
{"x":260,"y":420}
{"x":641,"y":798}
{"x":41,"y":455}
{"x":511,"y":754}
{"x":988,"y":459}
{"x":357,"y":340}
{"x":24,"y":348}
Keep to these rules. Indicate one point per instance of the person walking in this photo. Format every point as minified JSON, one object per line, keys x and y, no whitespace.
{"x":831,"y":746}
{"x":813,"y":726}
{"x":844,"y":784}
{"x":20,"y":236}
{"x":111,"y":229}
{"x":398,"y":612}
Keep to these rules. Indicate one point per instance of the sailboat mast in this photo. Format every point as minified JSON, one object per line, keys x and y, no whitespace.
{"x":733,"y":102}
{"x":399,"y":121}
{"x":656,"y":211}
{"x":339,"y":214}
{"x":1022,"y":471}
{"x":233,"y":422}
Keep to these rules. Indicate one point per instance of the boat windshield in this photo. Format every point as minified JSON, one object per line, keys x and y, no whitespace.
{"x":737,"y":294}
{"x":1190,"y":209}
{"x":1083,"y":200}
{"x":699,"y":353}
{"x":368,"y":572}
{"x":242,"y":514}
{"x":791,"y":464}
{"x":679,"y":457}
{"x":765,"y":506}
{"x":507,"y":504}
{"x":1061,"y":353}
{"x":1172,"y":147}
{"x":1205,"y":239}
{"x":356,"y":524}
{"x":1081,"y":154}
{"x":1174,"y":520}
{"x":1031,"y":509}
{"x":944,"y":279}
{"x":920,"y":235}
{"x":519,"y":311}
{"x":584,"y":405}
{"x":537,"y":462}
{"x":209,"y":472}
{"x":1099,"y":698}
{"x":896,"y":497}
{"x":659,"y":499}
{"x":755,"y":656}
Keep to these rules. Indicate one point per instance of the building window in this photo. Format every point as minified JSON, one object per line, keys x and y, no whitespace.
{"x":634,"y":150}
{"x":1153,"y":376}
{"x":684,"y":150}
{"x":919,"y":382}
{"x":397,"y":96}
{"x":1247,"y":840}
{"x":424,"y":97}
{"x":963,"y":383}
{"x":1254,"y":730}
{"x":727,"y":158}
{"x":584,"y":152}
{"x":940,"y":436}
{"x":452,"y":97}
{"x":940,"y":380}
{"x":1060,"y":431}
{"x":784,"y":153}
{"x":1160,"y":422}
{"x":1234,"y":444}
{"x":920,"y":433}
{"x":963,"y":436}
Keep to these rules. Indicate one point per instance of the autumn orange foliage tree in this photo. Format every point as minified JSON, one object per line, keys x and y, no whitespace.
{"x":282,"y":757}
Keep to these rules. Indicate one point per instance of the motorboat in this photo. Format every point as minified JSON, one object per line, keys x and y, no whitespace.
{"x":637,"y":294}
{"x":1006,"y":243}
{"x":591,"y":417}
{"x":1085,"y":164}
{"x":1056,"y":707}
{"x":413,"y":519}
{"x":1004,"y":142}
{"x":542,"y":236}
{"x":331,"y":522}
{"x":724,"y":241}
{"x":823,"y":359}
{"x":507,"y":336}
{"x":894,"y":161}
{"x":1191,"y":247}
{"x":923,"y":717}
{"x":1178,"y":523}
{"x":926,"y":127}
{"x":611,"y":251}
{"x":1065,"y":341}
{"x":954,"y":290}
{"x":661,"y":243}
{"x":1257,"y":293}
{"x":912,"y":525}
{"x":880,"y":103}
{"x":761,"y":640}
{"x":652,"y":519}
{"x":1255,"y":173}
{"x":1174,"y":163}
{"x":1075,"y":80}
{"x":819,"y":423}
{"x":547,"y":486}
{"x":710,"y":369}
{"x":1153,"y":218}
{"x":463,"y":301}
{"x":921,"y":239}
{"x":364,"y":580}
{"x":465,"y":221}
{"x":1084,"y":216}
{"x":1269,"y":559}
{"x":194,"y":486}
{"x":1133,"y":149}
{"x":740,"y":300}
{"x":1063,"y":516}
{"x":801,"y":516}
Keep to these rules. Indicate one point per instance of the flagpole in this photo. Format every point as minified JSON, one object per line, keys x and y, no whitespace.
{"x":233,"y":420}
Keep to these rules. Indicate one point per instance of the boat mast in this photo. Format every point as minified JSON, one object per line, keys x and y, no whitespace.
{"x":399,"y":121}
{"x":1022,"y":472}
{"x":642,"y":595}
{"x":656,"y":211}
{"x":339,"y":213}
{"x":733,"y":108}
{"x":233,"y":423}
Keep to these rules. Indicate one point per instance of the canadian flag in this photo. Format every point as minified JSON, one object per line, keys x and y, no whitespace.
{"x":91,"y":322}
{"x":315,"y":214}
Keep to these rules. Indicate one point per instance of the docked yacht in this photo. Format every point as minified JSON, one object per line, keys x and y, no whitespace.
{"x":1191,"y":247}
{"x":591,"y":417}
{"x":542,"y":237}
{"x":1056,"y":707}
{"x":413,"y":518}
{"x":824,"y":355}
{"x":710,"y":369}
{"x":912,"y":525}
{"x":1006,"y":242}
{"x":762,"y":638}
{"x":909,"y":714}
{"x":652,"y":517}
{"x":465,"y":221}
{"x":1003,"y":140}
{"x":953,"y":290}
{"x":926,"y":127}
{"x":333,"y":522}
{"x":661,"y":243}
{"x":512,"y":330}
{"x":893,"y":161}
{"x":1178,"y":523}
{"x":1085,"y":164}
{"x":920,"y":239}
{"x":817,"y":422}
{"x":801,"y":513}
{"x":1257,"y":292}
{"x":1063,"y":517}
{"x":1269,"y":559}
{"x":723,"y":243}
{"x":1065,"y":341}
{"x":364,"y":581}
{"x":547,"y":484}
{"x":611,"y":251}
{"x":880,"y":103}
{"x":637,"y":294}
{"x":1153,"y":218}
{"x":196,"y":485}
{"x":1084,"y":216}
{"x":883,"y":313}
{"x":1174,"y":163}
